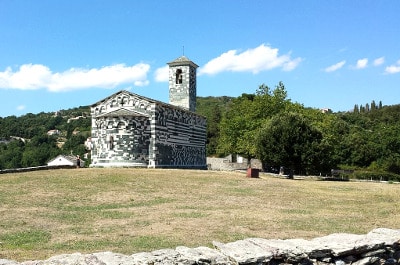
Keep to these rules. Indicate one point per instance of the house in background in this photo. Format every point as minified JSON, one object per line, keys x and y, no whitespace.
{"x":53,"y":132}
{"x":65,"y":161}
{"x":129,"y":130}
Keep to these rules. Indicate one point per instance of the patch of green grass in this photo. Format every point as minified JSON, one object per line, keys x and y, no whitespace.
{"x":193,"y":214}
{"x":81,"y":245}
{"x":26,"y":240}
{"x":142,"y":223}
{"x":112,"y":206}
{"x":241,"y":191}
{"x":232,"y":236}
{"x":76,"y":214}
{"x":297,"y":211}
{"x":143,"y":243}
{"x":152,"y":202}
{"x":115,"y":214}
{"x":124,"y":245}
{"x":69,"y":217}
{"x":80,"y":217}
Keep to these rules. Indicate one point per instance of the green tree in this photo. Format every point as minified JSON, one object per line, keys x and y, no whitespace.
{"x":236,"y":128}
{"x":212,"y":108}
{"x":213,"y":131}
{"x":289,"y":140}
{"x":240,"y":123}
{"x":39,"y":150}
{"x":11,"y":154}
{"x":75,"y":145}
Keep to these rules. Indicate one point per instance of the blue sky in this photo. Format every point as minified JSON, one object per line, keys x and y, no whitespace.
{"x":68,"y":53}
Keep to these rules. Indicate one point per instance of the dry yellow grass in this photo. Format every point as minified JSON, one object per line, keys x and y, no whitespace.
{"x":45,"y":213}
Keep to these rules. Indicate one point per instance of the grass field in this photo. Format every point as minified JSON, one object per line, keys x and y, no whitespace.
{"x":45,"y":213}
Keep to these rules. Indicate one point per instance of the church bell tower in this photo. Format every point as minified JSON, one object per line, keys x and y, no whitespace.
{"x":182,"y":83}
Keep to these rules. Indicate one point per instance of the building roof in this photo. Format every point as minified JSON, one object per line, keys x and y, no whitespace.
{"x":183,"y":60}
{"x":122,"y":112}
{"x":61,"y":158}
{"x":126,"y":92}
{"x":142,"y":97}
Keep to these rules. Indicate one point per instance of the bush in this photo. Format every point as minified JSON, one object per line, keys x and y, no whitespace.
{"x":375,"y":176}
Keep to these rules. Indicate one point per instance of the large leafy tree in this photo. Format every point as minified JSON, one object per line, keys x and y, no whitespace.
{"x":212,"y":108}
{"x":290,"y":140}
{"x":240,"y":123}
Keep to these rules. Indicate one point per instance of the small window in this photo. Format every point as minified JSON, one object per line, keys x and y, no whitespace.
{"x":178,"y":76}
{"x":110,"y":143}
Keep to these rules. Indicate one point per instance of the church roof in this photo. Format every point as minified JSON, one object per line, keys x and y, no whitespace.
{"x":122,"y":112}
{"x":138,"y":96}
{"x":126,"y":92}
{"x":183,"y":60}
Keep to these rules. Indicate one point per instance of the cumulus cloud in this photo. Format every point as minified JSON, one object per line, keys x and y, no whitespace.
{"x":161,"y":74}
{"x":393,"y":69}
{"x":37,"y":76}
{"x":261,"y":58}
{"x":335,"y":67}
{"x":379,"y":61}
{"x":362,"y":63}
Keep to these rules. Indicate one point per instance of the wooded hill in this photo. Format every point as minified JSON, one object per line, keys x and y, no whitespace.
{"x":33,"y":139}
{"x":264,"y":125}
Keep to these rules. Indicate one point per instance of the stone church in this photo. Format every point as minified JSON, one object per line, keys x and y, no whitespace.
{"x":129,"y":130}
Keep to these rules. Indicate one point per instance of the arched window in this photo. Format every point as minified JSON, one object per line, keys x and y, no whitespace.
{"x":178,"y":76}
{"x":121,"y":125}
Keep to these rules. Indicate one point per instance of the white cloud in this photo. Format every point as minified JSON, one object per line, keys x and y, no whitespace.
{"x":37,"y":76}
{"x":261,"y":58}
{"x":291,"y":65}
{"x":393,"y":69}
{"x":362,"y":63}
{"x":379,"y":61}
{"x":162,"y":74}
{"x":21,"y":107}
{"x":335,"y":67}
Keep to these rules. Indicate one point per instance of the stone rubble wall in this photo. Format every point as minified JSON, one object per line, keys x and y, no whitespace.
{"x":381,"y":246}
{"x":226,"y":164}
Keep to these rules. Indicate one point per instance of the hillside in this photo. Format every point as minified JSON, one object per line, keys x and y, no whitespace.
{"x":33,"y":139}
{"x":365,"y":139}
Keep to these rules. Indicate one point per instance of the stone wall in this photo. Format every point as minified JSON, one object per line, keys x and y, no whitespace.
{"x":379,"y":247}
{"x":179,"y":138}
{"x":226,"y":164}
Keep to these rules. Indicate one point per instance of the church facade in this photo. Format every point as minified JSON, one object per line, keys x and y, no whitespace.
{"x":129,"y":130}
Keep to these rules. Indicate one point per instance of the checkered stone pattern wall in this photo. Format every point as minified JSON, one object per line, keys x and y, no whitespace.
{"x":130,"y":130}
{"x":122,"y":140}
{"x":180,"y":139}
{"x":183,"y":93}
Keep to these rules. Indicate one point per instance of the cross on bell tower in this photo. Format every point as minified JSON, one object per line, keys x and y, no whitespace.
{"x":182,"y":83}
